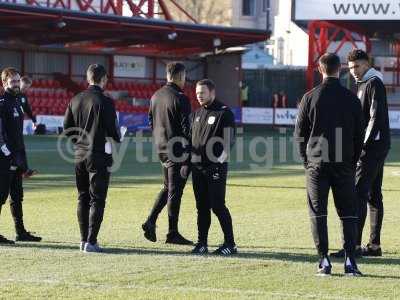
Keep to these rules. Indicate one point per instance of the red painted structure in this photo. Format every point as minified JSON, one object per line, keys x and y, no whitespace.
{"x":140,"y":34}
{"x":321,"y":34}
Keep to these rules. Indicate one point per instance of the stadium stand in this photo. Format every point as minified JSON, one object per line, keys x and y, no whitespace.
{"x":49,"y":97}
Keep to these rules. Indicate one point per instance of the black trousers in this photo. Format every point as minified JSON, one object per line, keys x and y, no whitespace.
{"x":320,"y":179}
{"x":369,"y":176}
{"x":170,"y":194}
{"x":11,"y":185}
{"x":92,"y":181}
{"x":209,"y":186}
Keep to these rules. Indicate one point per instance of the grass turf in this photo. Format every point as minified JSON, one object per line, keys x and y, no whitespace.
{"x":276,"y":261}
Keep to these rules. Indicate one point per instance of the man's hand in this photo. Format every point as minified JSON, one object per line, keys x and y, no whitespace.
{"x":5,"y":150}
{"x":34,"y":126}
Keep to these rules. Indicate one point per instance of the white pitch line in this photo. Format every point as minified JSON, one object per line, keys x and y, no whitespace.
{"x":181,"y":289}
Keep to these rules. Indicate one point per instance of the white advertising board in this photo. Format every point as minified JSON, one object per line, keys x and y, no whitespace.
{"x":255,"y":115}
{"x":129,"y":66}
{"x":346,"y":10}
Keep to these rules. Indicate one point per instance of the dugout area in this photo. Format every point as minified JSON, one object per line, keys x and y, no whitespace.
{"x":54,"y":45}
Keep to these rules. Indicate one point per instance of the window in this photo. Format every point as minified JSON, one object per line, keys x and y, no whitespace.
{"x":265,"y":5}
{"x":248,"y":7}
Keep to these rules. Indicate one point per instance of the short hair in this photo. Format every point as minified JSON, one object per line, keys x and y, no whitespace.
{"x":330,"y":62}
{"x":207,"y":82}
{"x":95,"y":73}
{"x":357,"y":54}
{"x":7,"y":73}
{"x":26,"y":79}
{"x":174,"y":69}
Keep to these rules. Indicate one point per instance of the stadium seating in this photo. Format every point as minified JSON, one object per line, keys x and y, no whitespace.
{"x":48,"y":97}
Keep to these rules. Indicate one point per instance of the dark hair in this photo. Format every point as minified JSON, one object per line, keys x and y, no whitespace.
{"x":207,"y":82}
{"x":7,"y":73}
{"x":95,"y":73}
{"x":174,"y":69}
{"x":357,"y":54}
{"x":26,"y":79}
{"x":330,"y":62}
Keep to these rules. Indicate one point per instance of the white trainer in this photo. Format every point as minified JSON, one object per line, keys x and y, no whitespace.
{"x":82,"y":246}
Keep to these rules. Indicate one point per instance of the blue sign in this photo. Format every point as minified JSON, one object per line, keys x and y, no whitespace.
{"x":134,"y":121}
{"x":237,"y":112}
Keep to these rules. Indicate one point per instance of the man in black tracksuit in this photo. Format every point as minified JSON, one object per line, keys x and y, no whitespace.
{"x":169,"y":120}
{"x":13,"y":155}
{"x":369,"y":175}
{"x":91,"y":118}
{"x":25,"y":84}
{"x":213,"y":134}
{"x":329,"y":132}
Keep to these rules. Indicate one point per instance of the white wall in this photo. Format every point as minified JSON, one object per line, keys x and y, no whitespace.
{"x":290,"y":41}
{"x":259,"y":20}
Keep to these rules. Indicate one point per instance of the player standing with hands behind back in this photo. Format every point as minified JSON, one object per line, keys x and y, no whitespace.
{"x":329,"y":132}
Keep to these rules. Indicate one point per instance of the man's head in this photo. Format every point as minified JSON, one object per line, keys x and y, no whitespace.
{"x":25,"y":84}
{"x":11,"y":80}
{"x":205,"y":91}
{"x":96,"y":74}
{"x":176,"y":73}
{"x":358,"y":61}
{"x":329,"y":65}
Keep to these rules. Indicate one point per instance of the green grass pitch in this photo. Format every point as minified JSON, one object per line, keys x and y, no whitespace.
{"x":277,"y":259}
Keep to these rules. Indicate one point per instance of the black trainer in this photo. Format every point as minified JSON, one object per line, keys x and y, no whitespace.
{"x":342,"y":253}
{"x":26,"y":236}
{"x":226,"y":250}
{"x":149,"y":232}
{"x":177,"y":239}
{"x":351,"y":269}
{"x":6,"y":241}
{"x":369,"y":251}
{"x":200,"y":248}
{"x":29,"y":173}
{"x":323,"y":269}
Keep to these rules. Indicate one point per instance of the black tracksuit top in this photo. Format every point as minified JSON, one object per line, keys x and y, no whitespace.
{"x":94,"y":115}
{"x":324,"y":112}
{"x":209,"y":122}
{"x":169,"y":114}
{"x":372,"y":94}
{"x":26,"y":107}
{"x":12,"y":122}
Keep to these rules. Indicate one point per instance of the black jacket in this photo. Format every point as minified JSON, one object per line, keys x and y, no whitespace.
{"x":169,"y":119}
{"x":372,"y":94}
{"x":94,"y":116}
{"x":329,"y":125}
{"x":26,"y":107}
{"x":212,"y":124}
{"x":12,"y":122}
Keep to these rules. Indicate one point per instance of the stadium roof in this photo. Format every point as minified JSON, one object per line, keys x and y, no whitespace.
{"x":37,"y":26}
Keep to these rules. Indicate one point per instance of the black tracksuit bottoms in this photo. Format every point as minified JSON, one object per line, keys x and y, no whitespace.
{"x":341,"y":178}
{"x":209,"y":186}
{"x":92,"y":182}
{"x":11,"y":185}
{"x":171,"y":194}
{"x":369,"y":176}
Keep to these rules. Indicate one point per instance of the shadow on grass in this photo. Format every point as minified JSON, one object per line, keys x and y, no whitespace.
{"x":261,"y":255}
